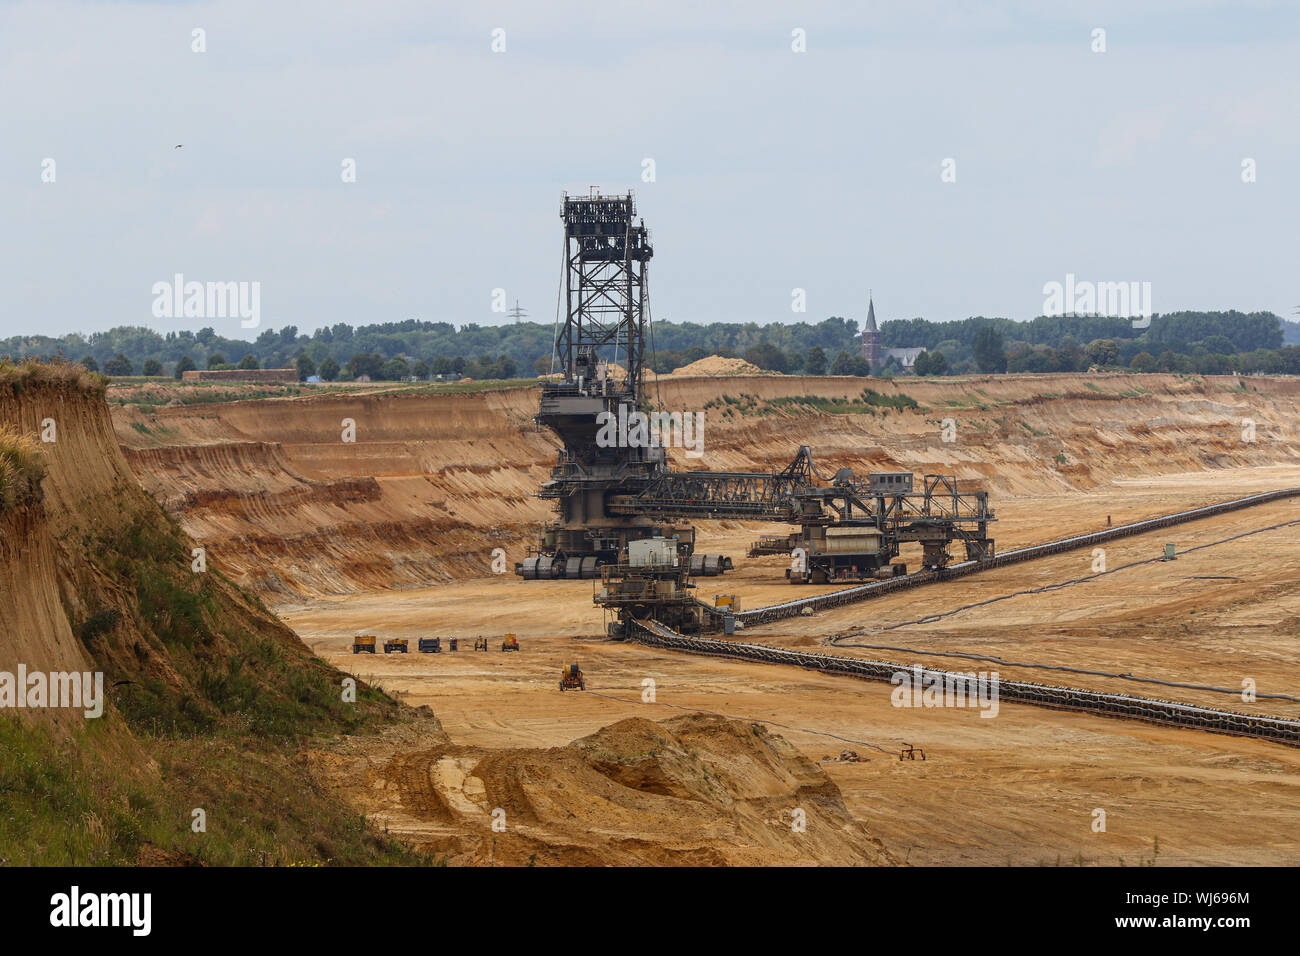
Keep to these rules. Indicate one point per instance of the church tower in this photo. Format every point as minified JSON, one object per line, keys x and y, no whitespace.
{"x":871,"y":350}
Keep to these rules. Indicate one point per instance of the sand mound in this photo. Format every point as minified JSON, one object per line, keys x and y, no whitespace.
{"x":716,"y":365}
{"x":692,"y":790}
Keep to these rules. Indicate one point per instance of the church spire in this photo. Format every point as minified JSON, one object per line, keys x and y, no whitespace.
{"x":871,"y":335}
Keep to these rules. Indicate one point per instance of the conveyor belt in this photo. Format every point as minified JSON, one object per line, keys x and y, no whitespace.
{"x":863,"y":592}
{"x":1150,"y":710}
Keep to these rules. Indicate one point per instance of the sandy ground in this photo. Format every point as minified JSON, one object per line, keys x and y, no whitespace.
{"x":1024,"y":787}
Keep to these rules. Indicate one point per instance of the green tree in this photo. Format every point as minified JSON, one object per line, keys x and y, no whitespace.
{"x":119,"y":364}
{"x":90,"y":363}
{"x":217,"y":360}
{"x":1143,"y":362}
{"x":815,"y":362}
{"x":988,"y":349}
{"x":767,"y":356}
{"x":329,"y":369}
{"x":395,"y":369}
{"x":1102,"y":352}
{"x":249,"y":362}
{"x":305,"y":367}
{"x":151,"y":367}
{"x":1219,"y":345}
{"x":183,"y":364}
{"x":366,"y":363}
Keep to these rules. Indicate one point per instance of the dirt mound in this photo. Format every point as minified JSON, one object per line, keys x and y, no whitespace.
{"x":716,"y":365}
{"x":692,"y":790}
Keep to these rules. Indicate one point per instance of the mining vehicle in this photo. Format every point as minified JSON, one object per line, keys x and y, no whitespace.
{"x":363,"y":643}
{"x":651,"y":582}
{"x":600,"y":351}
{"x":571,"y":678}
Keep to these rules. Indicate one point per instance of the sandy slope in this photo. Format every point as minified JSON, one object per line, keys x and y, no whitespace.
{"x":690,"y":790}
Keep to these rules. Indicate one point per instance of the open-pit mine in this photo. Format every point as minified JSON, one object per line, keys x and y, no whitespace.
{"x":1148,"y":669}
{"x":922,"y":620}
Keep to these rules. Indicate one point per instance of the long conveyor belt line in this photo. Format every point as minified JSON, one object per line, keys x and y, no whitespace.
{"x":1150,"y":710}
{"x":863,"y":592}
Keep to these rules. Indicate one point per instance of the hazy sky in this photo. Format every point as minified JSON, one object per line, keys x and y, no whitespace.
{"x":774,"y":170}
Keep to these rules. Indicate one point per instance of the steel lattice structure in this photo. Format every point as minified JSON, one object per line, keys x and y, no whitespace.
{"x":606,"y":254}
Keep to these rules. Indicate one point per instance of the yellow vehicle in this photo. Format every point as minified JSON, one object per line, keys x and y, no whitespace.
{"x":363,"y":643}
{"x":397,"y":644}
{"x":571,"y":678}
{"x":511,"y":643}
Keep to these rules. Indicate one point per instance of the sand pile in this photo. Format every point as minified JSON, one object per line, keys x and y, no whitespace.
{"x":692,"y":790}
{"x":715,"y":365}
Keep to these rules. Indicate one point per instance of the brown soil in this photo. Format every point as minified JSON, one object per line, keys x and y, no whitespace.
{"x":692,"y":790}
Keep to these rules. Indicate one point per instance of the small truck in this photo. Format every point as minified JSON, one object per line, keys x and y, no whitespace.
{"x":431,"y":645}
{"x":395,"y":644}
{"x":511,"y":643}
{"x":363,"y":643}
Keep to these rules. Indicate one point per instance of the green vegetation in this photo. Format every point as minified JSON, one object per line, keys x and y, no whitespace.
{"x":57,"y":809}
{"x":217,"y":727}
{"x":16,"y":377}
{"x":211,"y":702}
{"x":21,"y":469}
{"x":239,"y":680}
{"x":1201,"y":342}
{"x":865,"y":401}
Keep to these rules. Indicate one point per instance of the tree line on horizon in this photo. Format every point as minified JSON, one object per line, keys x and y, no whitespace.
{"x":1203,"y":342}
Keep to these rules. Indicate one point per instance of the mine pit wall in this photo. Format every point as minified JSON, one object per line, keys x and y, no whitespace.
{"x":43,"y":581}
{"x":34,"y":630}
{"x":434,"y":482}
{"x":53,"y":574}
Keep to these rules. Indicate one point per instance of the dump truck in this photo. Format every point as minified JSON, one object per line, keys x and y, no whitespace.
{"x":571,"y":678}
{"x":431,"y":645}
{"x":395,"y":644}
{"x":511,"y":643}
{"x":363,"y":643}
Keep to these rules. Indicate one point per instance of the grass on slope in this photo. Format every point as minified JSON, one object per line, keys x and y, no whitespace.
{"x":60,"y":806}
{"x":21,"y":469}
{"x":212,"y":701}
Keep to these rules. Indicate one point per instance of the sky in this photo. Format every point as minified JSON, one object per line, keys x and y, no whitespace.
{"x":949,"y":159}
